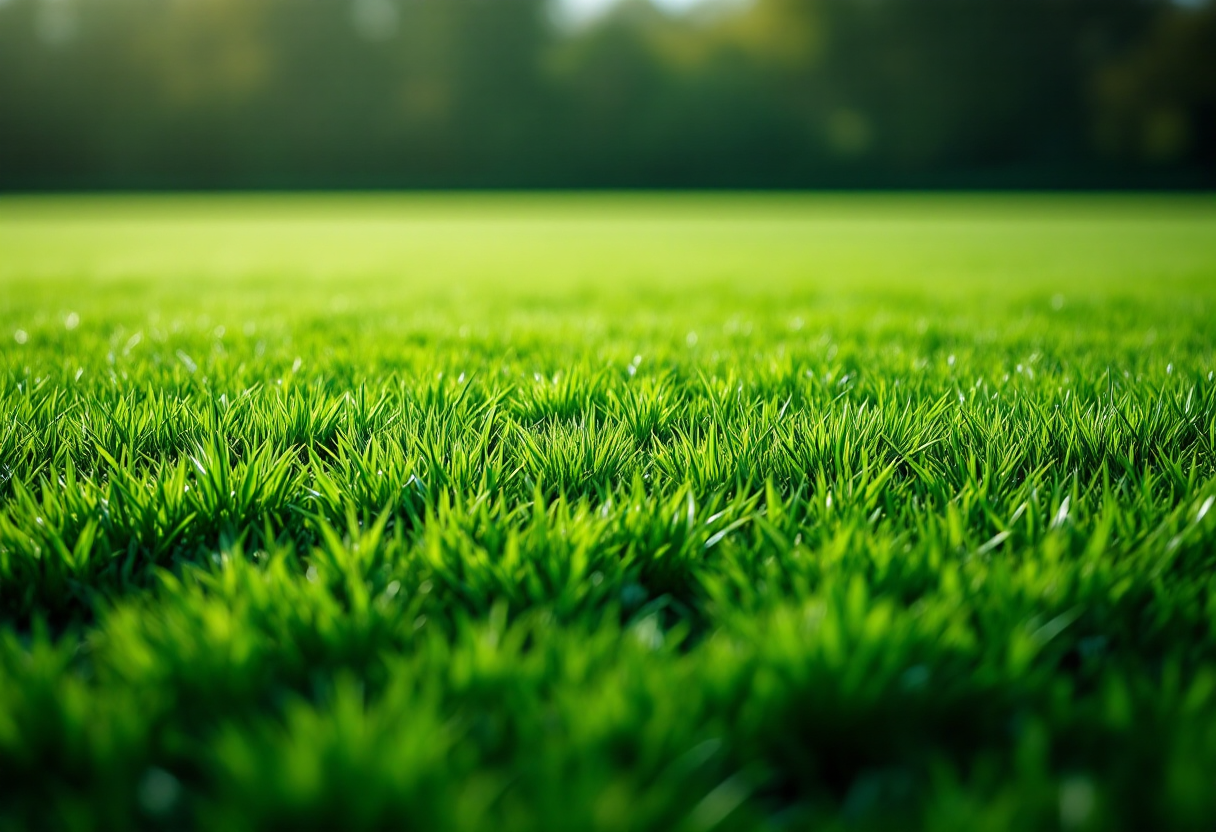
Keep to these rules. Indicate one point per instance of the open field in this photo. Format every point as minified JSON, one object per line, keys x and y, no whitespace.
{"x":608,"y":512}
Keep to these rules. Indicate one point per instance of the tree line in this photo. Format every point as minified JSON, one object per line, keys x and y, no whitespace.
{"x":509,"y":93}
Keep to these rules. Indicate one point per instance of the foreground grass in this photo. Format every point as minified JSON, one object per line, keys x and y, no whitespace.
{"x":608,"y":513}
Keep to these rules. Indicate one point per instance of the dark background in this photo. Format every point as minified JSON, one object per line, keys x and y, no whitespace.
{"x":98,"y":94}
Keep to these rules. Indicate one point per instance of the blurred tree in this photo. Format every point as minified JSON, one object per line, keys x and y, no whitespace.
{"x":1157,"y":103}
{"x":767,"y":93}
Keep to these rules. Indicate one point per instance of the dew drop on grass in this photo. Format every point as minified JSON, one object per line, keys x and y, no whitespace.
{"x":1078,"y":799}
{"x":648,"y":632}
{"x":158,"y":791}
{"x":691,"y":339}
{"x":632,"y":595}
{"x":1092,"y":646}
{"x":21,"y":336}
{"x":915,"y":678}
{"x":71,"y":321}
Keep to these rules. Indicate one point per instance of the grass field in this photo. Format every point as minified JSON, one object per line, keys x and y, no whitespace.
{"x":608,"y":512}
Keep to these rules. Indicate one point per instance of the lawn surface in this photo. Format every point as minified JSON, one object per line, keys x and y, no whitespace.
{"x":608,"y":512}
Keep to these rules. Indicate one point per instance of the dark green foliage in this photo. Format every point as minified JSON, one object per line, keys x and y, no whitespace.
{"x":879,"y":538}
{"x":516,"y":93}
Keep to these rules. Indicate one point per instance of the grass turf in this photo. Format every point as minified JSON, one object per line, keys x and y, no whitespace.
{"x":608,"y":512}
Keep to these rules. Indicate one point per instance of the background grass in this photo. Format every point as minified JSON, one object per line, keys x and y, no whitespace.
{"x":608,"y":512}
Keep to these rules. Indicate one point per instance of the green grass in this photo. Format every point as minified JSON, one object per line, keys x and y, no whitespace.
{"x":608,"y":512}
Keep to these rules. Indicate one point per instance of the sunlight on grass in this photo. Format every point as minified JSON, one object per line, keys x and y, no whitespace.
{"x":363,"y":512}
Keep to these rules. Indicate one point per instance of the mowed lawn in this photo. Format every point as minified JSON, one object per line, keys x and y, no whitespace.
{"x":608,"y":512}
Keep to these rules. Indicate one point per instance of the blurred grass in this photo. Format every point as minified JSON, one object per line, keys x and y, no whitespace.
{"x":556,"y":244}
{"x":608,"y":512}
